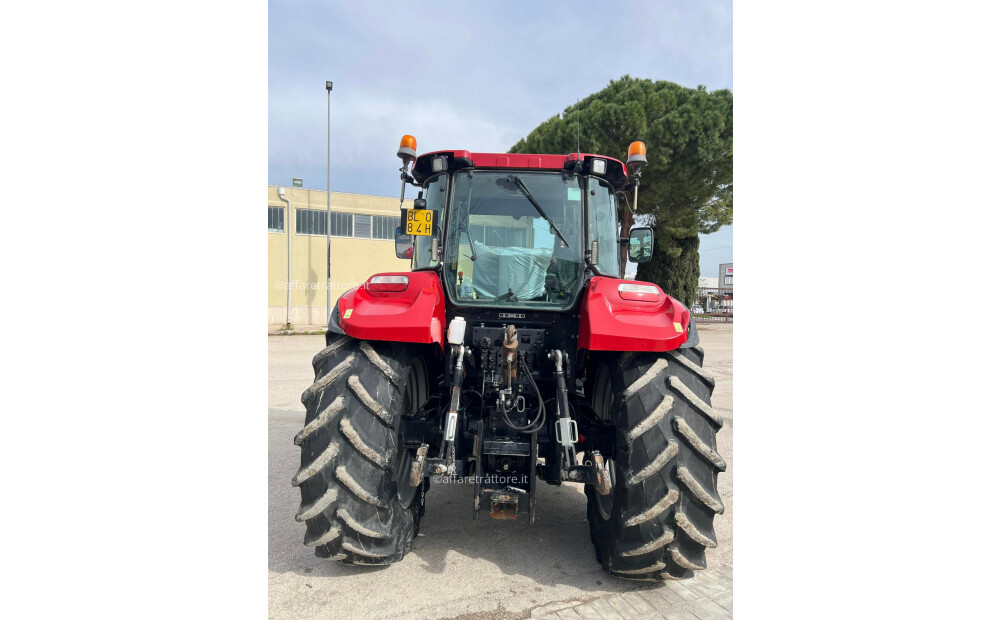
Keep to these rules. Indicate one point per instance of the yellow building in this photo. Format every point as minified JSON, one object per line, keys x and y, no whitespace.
{"x":361,"y":244}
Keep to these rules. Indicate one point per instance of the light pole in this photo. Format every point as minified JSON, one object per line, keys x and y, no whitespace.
{"x":329,"y":89}
{"x":288,"y":237}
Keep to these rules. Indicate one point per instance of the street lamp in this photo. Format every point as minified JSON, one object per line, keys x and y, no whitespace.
{"x":329,"y":89}
{"x":288,"y":237}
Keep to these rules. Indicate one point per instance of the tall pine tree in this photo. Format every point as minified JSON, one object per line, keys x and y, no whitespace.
{"x":687,"y":186}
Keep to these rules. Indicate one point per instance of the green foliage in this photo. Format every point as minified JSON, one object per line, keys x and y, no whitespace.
{"x":678,"y":277}
{"x":687,"y":186}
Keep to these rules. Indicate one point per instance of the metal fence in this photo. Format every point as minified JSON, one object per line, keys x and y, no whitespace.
{"x":713,"y":305}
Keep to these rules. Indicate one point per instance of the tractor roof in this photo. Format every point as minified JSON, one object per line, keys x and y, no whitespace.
{"x":616,"y":174}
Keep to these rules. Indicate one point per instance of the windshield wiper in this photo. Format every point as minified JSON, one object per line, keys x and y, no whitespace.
{"x":472,"y":244}
{"x":531,"y":199}
{"x":464,"y":227}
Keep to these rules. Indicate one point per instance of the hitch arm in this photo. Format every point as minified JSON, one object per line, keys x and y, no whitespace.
{"x":566,"y":431}
{"x":451,"y":421}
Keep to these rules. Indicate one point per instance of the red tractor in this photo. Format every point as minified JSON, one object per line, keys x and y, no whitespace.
{"x":514,"y":350}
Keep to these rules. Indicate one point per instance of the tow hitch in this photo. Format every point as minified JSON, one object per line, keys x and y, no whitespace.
{"x":503,"y":504}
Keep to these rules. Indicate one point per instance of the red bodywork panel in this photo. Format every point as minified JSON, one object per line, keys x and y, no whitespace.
{"x":413,"y":315}
{"x":610,"y":323}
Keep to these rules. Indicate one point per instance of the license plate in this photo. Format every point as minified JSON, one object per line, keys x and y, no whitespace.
{"x":419,"y":222}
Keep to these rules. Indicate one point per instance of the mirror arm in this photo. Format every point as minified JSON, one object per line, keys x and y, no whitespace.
{"x":588,"y":257}
{"x":406,"y":178}
{"x":634,"y":182}
{"x":634,"y":186}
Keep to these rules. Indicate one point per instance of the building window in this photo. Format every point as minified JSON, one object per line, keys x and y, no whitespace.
{"x":310,"y":222}
{"x":496,"y":237}
{"x":728,"y":280}
{"x":275,"y":219}
{"x":363,"y":226}
{"x":384,"y":226}
{"x":343,"y":224}
{"x":313,"y":222}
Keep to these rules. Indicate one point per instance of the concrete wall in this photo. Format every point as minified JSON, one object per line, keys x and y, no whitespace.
{"x":353,"y":260}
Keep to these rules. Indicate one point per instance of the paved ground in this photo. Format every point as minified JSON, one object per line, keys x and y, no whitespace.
{"x":460,"y":568}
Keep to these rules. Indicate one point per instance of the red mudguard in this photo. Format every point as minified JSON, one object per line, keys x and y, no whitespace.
{"x":610,"y":323}
{"x":413,"y":315}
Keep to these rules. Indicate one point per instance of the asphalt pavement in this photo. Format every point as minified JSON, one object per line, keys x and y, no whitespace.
{"x":460,"y":568}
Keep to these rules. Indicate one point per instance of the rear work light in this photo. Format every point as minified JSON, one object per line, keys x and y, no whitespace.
{"x":638,"y":292}
{"x":598,"y":166}
{"x":387,"y":284}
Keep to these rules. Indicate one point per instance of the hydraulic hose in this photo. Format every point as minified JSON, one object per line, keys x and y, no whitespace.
{"x":482,"y":401}
{"x":538,"y":423}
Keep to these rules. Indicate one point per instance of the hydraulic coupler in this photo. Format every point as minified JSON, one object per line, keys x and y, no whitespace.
{"x":508,"y":368}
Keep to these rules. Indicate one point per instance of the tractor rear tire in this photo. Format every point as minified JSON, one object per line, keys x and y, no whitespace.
{"x":658,"y":519}
{"x":357,"y":504}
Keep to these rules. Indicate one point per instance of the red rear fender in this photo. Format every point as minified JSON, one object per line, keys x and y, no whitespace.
{"x":610,"y":323}
{"x":415,"y":314}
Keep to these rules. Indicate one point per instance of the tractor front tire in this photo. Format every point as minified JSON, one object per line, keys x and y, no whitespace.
{"x":658,"y":519}
{"x":357,"y":503}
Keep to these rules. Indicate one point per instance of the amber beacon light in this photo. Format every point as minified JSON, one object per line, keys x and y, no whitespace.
{"x":636,"y":155}
{"x":408,"y":149}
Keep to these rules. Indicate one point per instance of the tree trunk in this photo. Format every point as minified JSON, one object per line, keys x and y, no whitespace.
{"x":678,"y":277}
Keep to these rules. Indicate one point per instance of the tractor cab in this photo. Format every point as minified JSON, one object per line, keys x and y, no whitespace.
{"x":511,"y":230}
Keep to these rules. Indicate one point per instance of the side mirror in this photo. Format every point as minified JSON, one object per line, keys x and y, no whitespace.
{"x":404,"y":244}
{"x":640,"y":244}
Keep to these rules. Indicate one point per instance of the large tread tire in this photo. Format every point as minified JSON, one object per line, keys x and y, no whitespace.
{"x":658,"y":520}
{"x":350,"y":456}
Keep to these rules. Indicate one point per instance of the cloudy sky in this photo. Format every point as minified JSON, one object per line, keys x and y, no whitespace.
{"x":477,"y":76}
